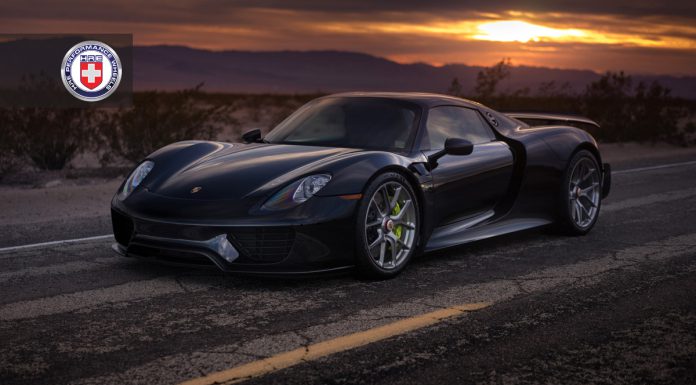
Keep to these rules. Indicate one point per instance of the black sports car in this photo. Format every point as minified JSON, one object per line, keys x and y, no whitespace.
{"x":358,"y":180}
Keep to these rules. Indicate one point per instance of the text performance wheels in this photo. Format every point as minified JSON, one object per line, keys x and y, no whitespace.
{"x":387,"y":226}
{"x":582,"y":194}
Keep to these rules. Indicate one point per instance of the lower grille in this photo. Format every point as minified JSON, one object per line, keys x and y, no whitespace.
{"x":123,"y":227}
{"x":172,"y":256}
{"x":263,"y":244}
{"x":176,"y":231}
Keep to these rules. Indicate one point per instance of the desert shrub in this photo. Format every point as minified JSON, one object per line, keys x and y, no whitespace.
{"x":655,"y":114}
{"x":608,"y":102}
{"x":641,"y":113}
{"x":488,"y":79}
{"x":688,"y":134}
{"x":50,"y":137}
{"x":10,"y":157}
{"x":455,"y":88}
{"x":157,"y":119}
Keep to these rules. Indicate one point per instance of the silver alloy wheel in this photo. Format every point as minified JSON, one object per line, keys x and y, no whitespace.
{"x":390,"y":225}
{"x":584,"y":193}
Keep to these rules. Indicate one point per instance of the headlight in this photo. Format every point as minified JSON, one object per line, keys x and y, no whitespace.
{"x":136,"y":177}
{"x":297,"y":192}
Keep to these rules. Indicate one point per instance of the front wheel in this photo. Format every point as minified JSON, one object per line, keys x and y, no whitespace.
{"x":581,"y":194}
{"x":387,"y":226}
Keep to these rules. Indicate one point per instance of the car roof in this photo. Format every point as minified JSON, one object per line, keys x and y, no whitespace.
{"x":422,"y":98}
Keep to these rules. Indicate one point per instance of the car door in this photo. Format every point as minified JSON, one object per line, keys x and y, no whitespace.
{"x":466,"y":185}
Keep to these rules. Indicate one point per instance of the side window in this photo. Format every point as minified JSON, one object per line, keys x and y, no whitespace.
{"x":454,"y":122}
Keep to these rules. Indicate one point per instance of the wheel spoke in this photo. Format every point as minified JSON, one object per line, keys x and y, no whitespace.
{"x":380,"y":239}
{"x":382,"y":252}
{"x":373,"y":202}
{"x":385,"y":199}
{"x":577,"y":177}
{"x":589,"y":173}
{"x":392,"y":248}
{"x":584,"y":191}
{"x":590,"y":201}
{"x":395,"y":198}
{"x":397,"y":217}
{"x":408,"y":225}
{"x":583,"y":208}
{"x":399,"y":241}
{"x":374,"y":223}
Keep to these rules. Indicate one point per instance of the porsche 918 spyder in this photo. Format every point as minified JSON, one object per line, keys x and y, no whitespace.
{"x":360,"y":181}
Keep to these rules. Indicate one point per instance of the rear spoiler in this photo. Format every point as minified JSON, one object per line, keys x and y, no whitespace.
{"x":541,"y":119}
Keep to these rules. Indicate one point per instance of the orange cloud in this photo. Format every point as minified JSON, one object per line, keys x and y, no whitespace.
{"x":411,"y":32}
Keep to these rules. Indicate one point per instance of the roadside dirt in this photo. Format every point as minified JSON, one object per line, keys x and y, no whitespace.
{"x":624,"y":152}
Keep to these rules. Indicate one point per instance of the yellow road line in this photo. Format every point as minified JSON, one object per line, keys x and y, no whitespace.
{"x":336,"y":345}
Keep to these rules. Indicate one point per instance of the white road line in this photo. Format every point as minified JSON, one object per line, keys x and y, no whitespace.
{"x":126,"y":292}
{"x":62,"y":268}
{"x":54,"y":243}
{"x":106,"y":236}
{"x":639,"y":169}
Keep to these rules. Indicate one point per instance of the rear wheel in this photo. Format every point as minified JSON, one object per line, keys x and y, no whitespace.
{"x":581,"y":194}
{"x":387,"y":226}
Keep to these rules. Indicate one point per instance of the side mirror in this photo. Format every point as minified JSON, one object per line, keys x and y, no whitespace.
{"x":252,"y":136}
{"x":456,"y":146}
{"x":453,"y":146}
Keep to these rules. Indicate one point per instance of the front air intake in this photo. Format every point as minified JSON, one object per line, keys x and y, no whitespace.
{"x":263,"y":244}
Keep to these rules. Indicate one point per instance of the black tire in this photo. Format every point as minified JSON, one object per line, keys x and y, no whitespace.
{"x":367,"y":265}
{"x":568,"y":222}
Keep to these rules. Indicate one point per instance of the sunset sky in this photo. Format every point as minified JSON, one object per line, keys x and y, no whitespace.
{"x":638,"y":36}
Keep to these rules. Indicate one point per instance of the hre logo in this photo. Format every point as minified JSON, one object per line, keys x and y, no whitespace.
{"x":91,"y":71}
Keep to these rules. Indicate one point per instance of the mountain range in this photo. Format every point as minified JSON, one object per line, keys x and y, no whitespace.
{"x":166,"y":67}
{"x":175,"y":67}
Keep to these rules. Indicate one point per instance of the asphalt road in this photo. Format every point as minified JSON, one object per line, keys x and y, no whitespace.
{"x":616,"y":306}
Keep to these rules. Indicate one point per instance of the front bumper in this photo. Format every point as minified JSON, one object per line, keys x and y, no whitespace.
{"x":264,"y":247}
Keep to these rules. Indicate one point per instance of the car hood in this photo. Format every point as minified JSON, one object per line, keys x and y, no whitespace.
{"x":223,"y":171}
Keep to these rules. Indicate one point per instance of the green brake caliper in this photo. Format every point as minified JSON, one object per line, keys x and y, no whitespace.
{"x":397,"y":228}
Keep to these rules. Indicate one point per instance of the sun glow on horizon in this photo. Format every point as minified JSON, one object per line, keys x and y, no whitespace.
{"x":523,"y":32}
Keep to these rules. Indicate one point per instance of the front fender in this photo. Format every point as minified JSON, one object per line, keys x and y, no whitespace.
{"x":351,"y":174}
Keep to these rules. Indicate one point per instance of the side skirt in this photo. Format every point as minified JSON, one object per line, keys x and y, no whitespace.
{"x":446,"y":236}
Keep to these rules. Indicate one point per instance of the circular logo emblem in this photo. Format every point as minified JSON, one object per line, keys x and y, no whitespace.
{"x":91,"y":71}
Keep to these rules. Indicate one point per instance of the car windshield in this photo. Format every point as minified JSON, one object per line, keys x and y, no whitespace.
{"x":370,"y":123}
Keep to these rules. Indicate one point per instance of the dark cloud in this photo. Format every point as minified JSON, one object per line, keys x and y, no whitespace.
{"x":206,"y":10}
{"x":445,"y":7}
